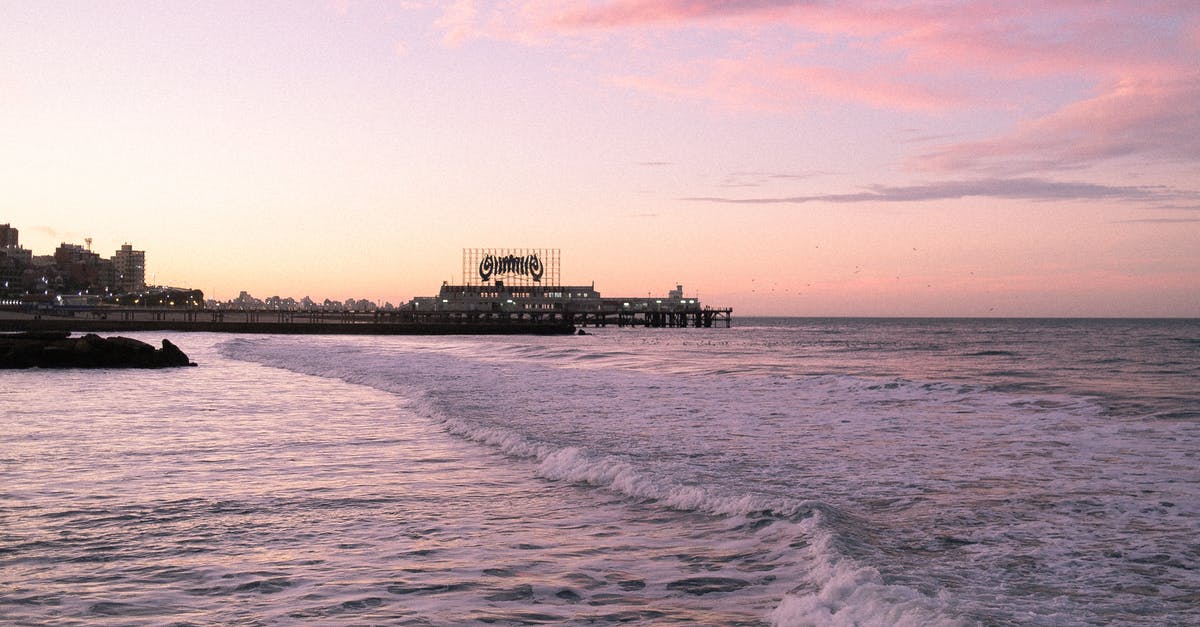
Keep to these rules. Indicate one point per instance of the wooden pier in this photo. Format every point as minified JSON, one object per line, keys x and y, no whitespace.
{"x":683,"y":318}
{"x":390,"y":322}
{"x":279,"y":322}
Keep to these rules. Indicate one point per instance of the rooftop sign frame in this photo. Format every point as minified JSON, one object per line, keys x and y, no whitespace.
{"x":512,"y":266}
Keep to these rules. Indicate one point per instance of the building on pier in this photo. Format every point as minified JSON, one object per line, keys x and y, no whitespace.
{"x":525,"y":282}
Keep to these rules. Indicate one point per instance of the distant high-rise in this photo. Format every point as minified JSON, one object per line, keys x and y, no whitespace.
{"x":80,"y":269}
{"x":129,"y":266}
{"x":8,"y":236}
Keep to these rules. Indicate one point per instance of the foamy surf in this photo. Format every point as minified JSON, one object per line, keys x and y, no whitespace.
{"x":839,"y":592}
{"x":867,"y":472}
{"x":818,"y":585}
{"x":937,"y":454}
{"x":834,"y":589}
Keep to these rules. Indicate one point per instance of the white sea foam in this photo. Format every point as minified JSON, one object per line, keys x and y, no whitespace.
{"x":837,"y":591}
{"x":828,"y":588}
{"x":834,"y":589}
{"x":577,"y":465}
{"x":1026,"y":499}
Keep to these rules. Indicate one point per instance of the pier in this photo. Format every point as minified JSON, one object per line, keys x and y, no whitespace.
{"x":669,"y":318}
{"x":127,"y":319}
{"x":579,"y":305}
{"x":410,"y":321}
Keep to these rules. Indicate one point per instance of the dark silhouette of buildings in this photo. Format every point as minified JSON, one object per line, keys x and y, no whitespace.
{"x":8,"y":236}
{"x":72,"y":269}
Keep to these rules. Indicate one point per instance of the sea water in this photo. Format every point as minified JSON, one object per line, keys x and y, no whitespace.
{"x":784,"y":471}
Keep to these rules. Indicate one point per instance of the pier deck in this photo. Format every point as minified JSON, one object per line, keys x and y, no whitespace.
{"x":395,"y":322}
{"x":683,"y":318}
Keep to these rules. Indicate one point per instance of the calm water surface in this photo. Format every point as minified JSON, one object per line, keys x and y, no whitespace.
{"x":787,"y":471}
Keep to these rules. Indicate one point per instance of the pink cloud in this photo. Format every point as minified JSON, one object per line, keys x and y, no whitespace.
{"x":1095,"y":41}
{"x":1138,"y":57}
{"x":918,"y":44}
{"x":1020,"y":188}
{"x":1149,"y":118}
{"x":624,"y":13}
{"x":756,"y":83}
{"x":341,"y":7}
{"x":1009,"y":38}
{"x":459,"y":22}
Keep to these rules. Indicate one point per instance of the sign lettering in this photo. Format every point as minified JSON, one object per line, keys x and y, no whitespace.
{"x":529,"y":265}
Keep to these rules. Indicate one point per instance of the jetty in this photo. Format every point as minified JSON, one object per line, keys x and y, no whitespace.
{"x":409,"y":321}
{"x":131,"y":319}
{"x":53,"y":349}
{"x":578,"y":305}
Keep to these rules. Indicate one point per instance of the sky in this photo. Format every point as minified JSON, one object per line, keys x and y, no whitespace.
{"x":808,"y":158}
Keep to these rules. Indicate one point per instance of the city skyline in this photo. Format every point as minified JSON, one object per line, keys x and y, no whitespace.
{"x":780,"y":158}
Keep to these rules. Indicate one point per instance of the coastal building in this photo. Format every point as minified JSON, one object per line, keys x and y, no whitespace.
{"x":82,"y":270}
{"x":525,"y":282}
{"x":12,"y":268}
{"x":159,"y":296}
{"x":41,"y":275}
{"x":75,"y":271}
{"x":129,"y":269}
{"x":13,"y":261}
{"x":9,"y":237}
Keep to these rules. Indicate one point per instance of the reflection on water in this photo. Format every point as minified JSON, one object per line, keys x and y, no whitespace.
{"x":238,"y":493}
{"x":801,"y":472}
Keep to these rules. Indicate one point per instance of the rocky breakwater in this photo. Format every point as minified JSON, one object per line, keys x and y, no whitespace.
{"x":59,"y":350}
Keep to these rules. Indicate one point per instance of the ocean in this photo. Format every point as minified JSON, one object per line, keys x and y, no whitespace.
{"x":784,"y":471}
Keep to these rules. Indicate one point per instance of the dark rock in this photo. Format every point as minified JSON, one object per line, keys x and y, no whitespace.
{"x":172,"y":356}
{"x":58,"y":350}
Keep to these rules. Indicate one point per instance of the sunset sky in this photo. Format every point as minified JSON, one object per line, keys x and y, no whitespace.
{"x":780,"y":157}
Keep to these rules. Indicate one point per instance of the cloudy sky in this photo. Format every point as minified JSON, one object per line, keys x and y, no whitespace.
{"x":780,"y":157}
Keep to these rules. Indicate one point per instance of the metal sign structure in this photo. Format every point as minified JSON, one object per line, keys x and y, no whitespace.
{"x":513,"y":266}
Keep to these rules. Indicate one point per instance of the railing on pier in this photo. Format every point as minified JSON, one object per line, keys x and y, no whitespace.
{"x":408,"y":320}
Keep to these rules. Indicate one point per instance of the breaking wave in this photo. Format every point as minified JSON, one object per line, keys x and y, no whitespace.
{"x":805,"y":537}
